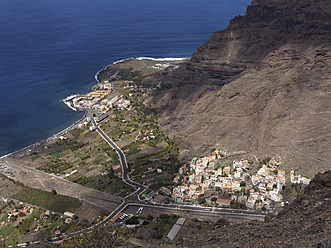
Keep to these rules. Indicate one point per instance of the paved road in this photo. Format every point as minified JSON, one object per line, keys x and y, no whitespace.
{"x":122,"y":159}
{"x":141,"y":188}
{"x":134,"y":200}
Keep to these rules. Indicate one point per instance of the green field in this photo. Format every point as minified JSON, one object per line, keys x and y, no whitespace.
{"x":58,"y":203}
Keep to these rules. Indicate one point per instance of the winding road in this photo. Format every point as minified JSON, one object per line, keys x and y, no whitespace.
{"x":134,"y":200}
{"x":140,"y":188}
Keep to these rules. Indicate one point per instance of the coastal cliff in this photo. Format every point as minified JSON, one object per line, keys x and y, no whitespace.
{"x":266,"y":27}
{"x":263,"y":84}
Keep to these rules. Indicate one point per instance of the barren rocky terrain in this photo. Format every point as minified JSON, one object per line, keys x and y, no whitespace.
{"x":40,"y":180}
{"x":263,"y":83}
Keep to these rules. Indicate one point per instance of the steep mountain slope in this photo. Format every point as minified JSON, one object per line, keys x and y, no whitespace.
{"x":305,"y":223}
{"x":266,"y":26}
{"x":263,"y":83}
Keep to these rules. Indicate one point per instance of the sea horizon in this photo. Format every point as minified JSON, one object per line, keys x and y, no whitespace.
{"x":51,"y":52}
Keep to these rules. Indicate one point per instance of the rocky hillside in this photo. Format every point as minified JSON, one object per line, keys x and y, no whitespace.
{"x":263,"y":83}
{"x":266,"y":27}
{"x":305,"y":223}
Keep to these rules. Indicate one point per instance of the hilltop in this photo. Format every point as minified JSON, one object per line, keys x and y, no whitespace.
{"x":263,"y":84}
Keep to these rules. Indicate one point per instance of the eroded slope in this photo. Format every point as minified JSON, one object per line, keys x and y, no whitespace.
{"x":268,"y":88}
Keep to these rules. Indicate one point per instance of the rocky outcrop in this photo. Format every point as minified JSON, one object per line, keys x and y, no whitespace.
{"x":263,"y":83}
{"x":266,"y":26}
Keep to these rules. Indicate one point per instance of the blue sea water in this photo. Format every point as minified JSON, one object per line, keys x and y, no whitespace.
{"x":52,"y":49}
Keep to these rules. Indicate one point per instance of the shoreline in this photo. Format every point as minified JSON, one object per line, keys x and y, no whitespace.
{"x":137,"y":58}
{"x":38,"y":143}
{"x":65,"y":130}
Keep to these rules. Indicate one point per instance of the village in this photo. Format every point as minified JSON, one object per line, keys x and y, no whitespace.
{"x":99,"y":99}
{"x":81,"y":156}
{"x":205,"y":179}
{"x":102,"y":99}
{"x":19,"y":218}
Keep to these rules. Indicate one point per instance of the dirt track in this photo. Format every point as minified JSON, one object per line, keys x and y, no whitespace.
{"x":41,"y":180}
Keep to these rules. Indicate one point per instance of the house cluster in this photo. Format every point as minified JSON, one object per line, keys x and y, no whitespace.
{"x":99,"y":100}
{"x":93,"y":100}
{"x":202,"y":174}
{"x":267,"y":184}
{"x":122,"y":104}
{"x":151,"y":170}
{"x":117,"y":169}
{"x":171,"y":68}
{"x":129,"y":85}
{"x":26,"y":209}
{"x":19,"y":210}
{"x":146,"y":136}
{"x":135,"y":88}
{"x":160,"y":196}
{"x":167,"y":66}
{"x":85,"y":123}
{"x":105,"y":85}
{"x":299,"y":179}
{"x":160,"y":66}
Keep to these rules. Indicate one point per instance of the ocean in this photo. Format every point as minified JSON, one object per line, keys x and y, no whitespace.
{"x":52,"y":49}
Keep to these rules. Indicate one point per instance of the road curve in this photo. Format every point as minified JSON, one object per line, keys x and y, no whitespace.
{"x":133,"y":198}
